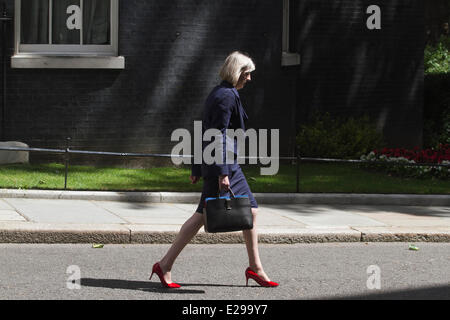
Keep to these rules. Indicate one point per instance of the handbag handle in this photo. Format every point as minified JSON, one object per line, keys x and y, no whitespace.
{"x":229,"y":189}
{"x":228,"y":202}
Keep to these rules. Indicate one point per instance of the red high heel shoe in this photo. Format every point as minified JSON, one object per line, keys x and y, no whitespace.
{"x":157,"y":269}
{"x":249,"y":273}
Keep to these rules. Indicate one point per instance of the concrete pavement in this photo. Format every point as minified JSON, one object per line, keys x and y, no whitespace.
{"x":216,"y":272}
{"x":135,"y":217}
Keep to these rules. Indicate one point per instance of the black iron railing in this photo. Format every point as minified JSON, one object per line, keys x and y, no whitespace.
{"x":298,"y":159}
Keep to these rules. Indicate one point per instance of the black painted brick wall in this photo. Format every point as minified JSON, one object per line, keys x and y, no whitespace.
{"x":174,"y":49}
{"x":348,"y":69}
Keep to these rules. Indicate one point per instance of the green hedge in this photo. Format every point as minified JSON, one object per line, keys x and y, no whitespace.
{"x":338,"y":138}
{"x":437,"y":57}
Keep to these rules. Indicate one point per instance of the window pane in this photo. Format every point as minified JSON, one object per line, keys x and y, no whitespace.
{"x":67,"y":21}
{"x":34,"y":22}
{"x":96,"y":21}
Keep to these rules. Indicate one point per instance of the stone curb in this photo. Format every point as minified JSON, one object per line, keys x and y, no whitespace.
{"x":26,"y":232}
{"x":403,"y":234}
{"x":29,"y":232}
{"x":262,"y":198}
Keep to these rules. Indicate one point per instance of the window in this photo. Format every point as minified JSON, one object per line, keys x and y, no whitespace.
{"x":288,"y":57}
{"x":50,"y":31}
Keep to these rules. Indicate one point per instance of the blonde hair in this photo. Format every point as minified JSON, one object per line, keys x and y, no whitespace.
{"x":235,"y":64}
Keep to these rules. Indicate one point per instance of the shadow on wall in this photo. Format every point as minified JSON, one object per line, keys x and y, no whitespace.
{"x":348,"y":69}
{"x":437,"y":20}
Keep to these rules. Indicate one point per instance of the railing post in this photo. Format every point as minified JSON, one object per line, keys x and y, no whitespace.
{"x":298,"y":171}
{"x":67,"y":155}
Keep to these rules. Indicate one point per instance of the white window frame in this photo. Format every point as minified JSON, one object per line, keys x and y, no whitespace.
{"x":288,"y":58}
{"x":68,"y":56}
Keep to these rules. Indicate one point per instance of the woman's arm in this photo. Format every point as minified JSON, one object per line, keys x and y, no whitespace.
{"x":220,"y":119}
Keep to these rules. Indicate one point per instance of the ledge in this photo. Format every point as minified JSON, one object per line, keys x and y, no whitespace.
{"x":67,"y":62}
{"x":290,"y":59}
{"x":441,"y":200}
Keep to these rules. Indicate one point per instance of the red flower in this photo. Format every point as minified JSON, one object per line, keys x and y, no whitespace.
{"x":419,"y":156}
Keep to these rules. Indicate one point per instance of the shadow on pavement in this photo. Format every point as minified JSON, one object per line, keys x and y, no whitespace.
{"x":427,"y":293}
{"x":134,"y":285}
{"x":148,"y":286}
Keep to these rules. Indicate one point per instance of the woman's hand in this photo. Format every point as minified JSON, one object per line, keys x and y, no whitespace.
{"x":224,"y":183}
{"x":194,"y":179}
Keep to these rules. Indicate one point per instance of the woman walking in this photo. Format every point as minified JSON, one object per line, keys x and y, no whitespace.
{"x":223,"y":110}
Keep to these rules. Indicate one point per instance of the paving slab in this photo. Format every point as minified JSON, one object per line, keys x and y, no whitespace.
{"x":53,"y":220}
{"x":10,"y":215}
{"x":273,"y":219}
{"x":323,"y":215}
{"x":63,"y":211}
{"x":4,"y":205}
{"x":146,"y":213}
{"x":408,"y":216}
{"x":188,"y":207}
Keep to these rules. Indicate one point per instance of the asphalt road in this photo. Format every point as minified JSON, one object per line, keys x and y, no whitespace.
{"x":304,"y":271}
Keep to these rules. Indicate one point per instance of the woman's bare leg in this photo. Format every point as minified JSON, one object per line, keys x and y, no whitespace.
{"x":251,"y":241}
{"x":187,"y":232}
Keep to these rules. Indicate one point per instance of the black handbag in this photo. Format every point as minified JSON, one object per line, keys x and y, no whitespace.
{"x":227,"y":214}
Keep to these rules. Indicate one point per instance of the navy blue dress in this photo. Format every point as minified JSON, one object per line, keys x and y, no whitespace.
{"x":223,"y":110}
